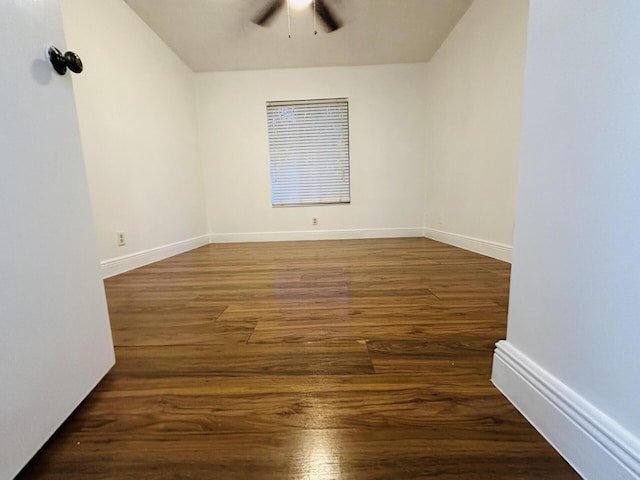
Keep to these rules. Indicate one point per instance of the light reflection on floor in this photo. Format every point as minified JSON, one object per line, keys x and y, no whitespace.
{"x":319,"y":455}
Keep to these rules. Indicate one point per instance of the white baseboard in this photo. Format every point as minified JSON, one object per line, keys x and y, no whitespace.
{"x":118,"y":265}
{"x":315,"y":235}
{"x":594,"y":444}
{"x":496,"y":250}
{"x":115,"y":266}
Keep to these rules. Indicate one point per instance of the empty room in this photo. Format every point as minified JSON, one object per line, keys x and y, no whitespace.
{"x":332,"y":239}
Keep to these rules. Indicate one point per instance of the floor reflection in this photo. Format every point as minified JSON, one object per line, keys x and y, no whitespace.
{"x":319,"y":455}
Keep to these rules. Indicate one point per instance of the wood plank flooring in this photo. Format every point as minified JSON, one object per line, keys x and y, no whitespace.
{"x":355,"y":359}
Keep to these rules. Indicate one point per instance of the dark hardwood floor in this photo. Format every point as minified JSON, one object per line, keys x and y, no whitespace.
{"x":357,"y":359}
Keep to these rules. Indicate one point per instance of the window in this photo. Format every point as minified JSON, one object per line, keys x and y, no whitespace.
{"x":309,"y":152}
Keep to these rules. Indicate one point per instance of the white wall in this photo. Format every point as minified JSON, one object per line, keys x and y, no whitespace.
{"x":137,"y":120}
{"x":386,"y":108}
{"x":139,"y":123}
{"x":474,"y":89}
{"x":573,"y":330}
{"x":148,"y":171}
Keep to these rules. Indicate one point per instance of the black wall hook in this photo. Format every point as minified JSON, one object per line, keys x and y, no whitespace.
{"x":61,"y":62}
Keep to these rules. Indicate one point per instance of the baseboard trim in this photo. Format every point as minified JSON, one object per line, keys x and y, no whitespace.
{"x":118,"y":265}
{"x":491,"y":249}
{"x":315,"y":235}
{"x":595,"y":445}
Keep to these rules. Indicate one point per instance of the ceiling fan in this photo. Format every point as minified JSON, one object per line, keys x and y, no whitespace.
{"x":320,"y":8}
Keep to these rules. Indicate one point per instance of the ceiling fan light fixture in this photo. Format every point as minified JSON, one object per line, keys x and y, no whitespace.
{"x":299,"y":4}
{"x":320,"y":9}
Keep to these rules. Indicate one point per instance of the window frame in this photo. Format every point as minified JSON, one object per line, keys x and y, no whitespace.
{"x":294,"y":153}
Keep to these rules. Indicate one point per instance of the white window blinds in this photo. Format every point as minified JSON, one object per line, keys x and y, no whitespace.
{"x":309,"y":152}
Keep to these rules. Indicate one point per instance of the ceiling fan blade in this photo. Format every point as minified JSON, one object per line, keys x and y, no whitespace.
{"x":327,"y":16}
{"x":264,"y":16}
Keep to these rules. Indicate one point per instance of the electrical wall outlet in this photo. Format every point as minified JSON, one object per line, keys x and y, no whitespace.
{"x":314,"y":221}
{"x":121,"y":240}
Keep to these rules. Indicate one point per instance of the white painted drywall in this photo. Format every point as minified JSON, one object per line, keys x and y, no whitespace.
{"x":575,"y":289}
{"x":474,"y":92}
{"x":137,"y":118}
{"x":386,"y":110}
{"x":152,"y":153}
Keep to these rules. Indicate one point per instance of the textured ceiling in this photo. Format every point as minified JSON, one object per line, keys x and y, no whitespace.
{"x":218,"y":35}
